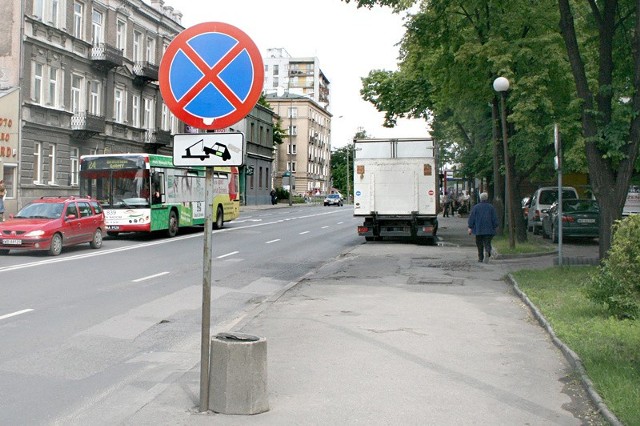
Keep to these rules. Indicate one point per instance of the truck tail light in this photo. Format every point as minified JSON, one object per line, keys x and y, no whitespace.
{"x":363,"y":229}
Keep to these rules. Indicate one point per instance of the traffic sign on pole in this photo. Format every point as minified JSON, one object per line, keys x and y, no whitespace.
{"x":211,"y":75}
{"x":208,"y":149}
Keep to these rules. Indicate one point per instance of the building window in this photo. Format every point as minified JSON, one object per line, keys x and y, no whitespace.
{"x":118,"y":107}
{"x":137,"y":46}
{"x":151,"y":50}
{"x":147,"y":118}
{"x":291,"y":149}
{"x":9,"y":173}
{"x":52,"y":164}
{"x":250,"y":181}
{"x":135,"y":111}
{"x":78,"y":20}
{"x":38,"y":75}
{"x":37,"y":162}
{"x":94,"y":97}
{"x":121,"y":34}
{"x":77,"y":93}
{"x":292,"y":112}
{"x":49,"y":11}
{"x":97,"y":35}
{"x":75,"y":166}
{"x":291,"y":166}
{"x":53,"y":97}
{"x":166,"y":118}
{"x":260,"y":178}
{"x":276,"y":69}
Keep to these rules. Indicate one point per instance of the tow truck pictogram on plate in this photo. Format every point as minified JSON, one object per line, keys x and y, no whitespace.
{"x":218,"y":149}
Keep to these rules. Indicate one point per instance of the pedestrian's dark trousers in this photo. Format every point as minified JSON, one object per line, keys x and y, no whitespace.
{"x":483,"y":242}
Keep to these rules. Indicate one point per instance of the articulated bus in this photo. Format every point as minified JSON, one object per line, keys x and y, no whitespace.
{"x":147,"y":193}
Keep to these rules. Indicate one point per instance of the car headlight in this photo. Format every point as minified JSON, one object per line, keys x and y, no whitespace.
{"x":37,"y":233}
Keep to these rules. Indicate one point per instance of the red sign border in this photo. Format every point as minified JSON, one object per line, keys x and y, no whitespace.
{"x":179,"y":42}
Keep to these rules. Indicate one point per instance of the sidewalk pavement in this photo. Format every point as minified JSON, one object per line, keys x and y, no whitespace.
{"x":387,"y":334}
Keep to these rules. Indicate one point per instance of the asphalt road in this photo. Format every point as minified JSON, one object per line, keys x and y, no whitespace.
{"x":71,"y":325}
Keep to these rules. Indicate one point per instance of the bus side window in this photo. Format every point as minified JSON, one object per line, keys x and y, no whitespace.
{"x":157,"y":180}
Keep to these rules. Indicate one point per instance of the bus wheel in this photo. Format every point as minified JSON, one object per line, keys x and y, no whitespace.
{"x":172,"y":231}
{"x":219,"y":223}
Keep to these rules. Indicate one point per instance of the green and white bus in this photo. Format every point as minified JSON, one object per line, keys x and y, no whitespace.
{"x":147,"y":193}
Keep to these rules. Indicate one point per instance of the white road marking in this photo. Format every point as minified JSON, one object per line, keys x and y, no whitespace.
{"x":150,"y":276}
{"x":304,"y":232}
{"x":227,"y":255}
{"x":272,"y":241}
{"x":24,"y":311}
{"x":324,"y":227}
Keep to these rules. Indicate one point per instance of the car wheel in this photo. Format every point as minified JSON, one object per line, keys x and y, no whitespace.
{"x":219,"y":222}
{"x":96,"y":241}
{"x":172,"y":230}
{"x":56,"y":245}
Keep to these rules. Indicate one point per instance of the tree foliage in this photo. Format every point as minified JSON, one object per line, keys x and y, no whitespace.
{"x":582,"y":75}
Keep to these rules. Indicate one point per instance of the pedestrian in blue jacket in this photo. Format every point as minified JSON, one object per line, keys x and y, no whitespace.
{"x":483,"y":222}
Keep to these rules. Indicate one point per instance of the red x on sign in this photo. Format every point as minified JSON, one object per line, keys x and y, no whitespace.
{"x":211,"y":75}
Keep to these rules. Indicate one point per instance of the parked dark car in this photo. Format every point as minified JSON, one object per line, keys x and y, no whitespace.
{"x":51,"y":223}
{"x":580,"y":219}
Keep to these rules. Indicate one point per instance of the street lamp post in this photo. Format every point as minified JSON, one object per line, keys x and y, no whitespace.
{"x":501,"y":85}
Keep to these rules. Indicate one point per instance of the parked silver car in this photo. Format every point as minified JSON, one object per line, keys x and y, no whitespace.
{"x":541,"y":201}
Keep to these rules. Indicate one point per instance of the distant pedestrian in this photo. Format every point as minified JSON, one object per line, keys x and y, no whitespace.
{"x":446,"y":203}
{"x":483,"y":222}
{"x":274,"y":197}
{"x":3,"y":192}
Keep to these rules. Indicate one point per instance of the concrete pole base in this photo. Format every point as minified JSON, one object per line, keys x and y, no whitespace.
{"x":238,"y":374}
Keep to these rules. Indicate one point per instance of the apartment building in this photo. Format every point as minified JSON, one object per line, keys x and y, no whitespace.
{"x":298,"y":91}
{"x":79,"y":77}
{"x":306,"y":151}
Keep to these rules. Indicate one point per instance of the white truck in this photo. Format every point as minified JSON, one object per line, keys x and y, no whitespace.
{"x":396,"y":188}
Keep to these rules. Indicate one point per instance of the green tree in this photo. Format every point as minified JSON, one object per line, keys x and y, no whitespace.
{"x":594,"y":95}
{"x":342,"y":166}
{"x":602,"y":40}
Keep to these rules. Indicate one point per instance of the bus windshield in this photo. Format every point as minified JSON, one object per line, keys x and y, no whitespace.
{"x":118,"y":189}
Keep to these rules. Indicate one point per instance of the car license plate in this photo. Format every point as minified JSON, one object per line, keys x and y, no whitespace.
{"x":586,"y":221}
{"x":113,"y":228}
{"x":11,"y":242}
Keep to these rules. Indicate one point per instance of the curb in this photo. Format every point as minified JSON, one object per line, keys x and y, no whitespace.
{"x":570,"y":356}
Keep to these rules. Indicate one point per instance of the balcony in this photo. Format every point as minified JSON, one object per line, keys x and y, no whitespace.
{"x":157,"y":137}
{"x":106,"y":57}
{"x":85,"y":125}
{"x":144,"y":72}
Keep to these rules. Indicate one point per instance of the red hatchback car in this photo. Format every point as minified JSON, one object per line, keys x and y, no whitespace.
{"x":50,"y":223}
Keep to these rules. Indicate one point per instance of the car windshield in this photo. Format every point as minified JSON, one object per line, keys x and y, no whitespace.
{"x":333,"y":196}
{"x":41,"y":211}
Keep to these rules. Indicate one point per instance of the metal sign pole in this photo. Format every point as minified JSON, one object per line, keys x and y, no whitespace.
{"x":206,"y":292}
{"x":556,"y":134}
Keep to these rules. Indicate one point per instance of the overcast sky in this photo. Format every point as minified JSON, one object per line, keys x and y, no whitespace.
{"x":347,"y":41}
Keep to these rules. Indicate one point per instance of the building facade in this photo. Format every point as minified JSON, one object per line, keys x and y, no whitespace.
{"x":80,"y":77}
{"x":299,"y":93}
{"x":86,"y":73}
{"x":306,"y":151}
